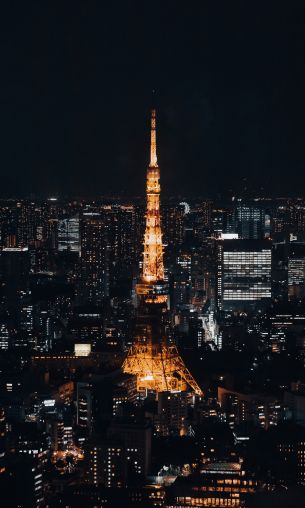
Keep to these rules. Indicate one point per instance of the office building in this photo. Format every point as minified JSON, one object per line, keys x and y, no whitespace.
{"x":25,"y":481}
{"x":68,"y":234}
{"x":261,"y":410}
{"x":243,"y":274}
{"x":2,"y":442}
{"x":84,"y":418}
{"x":173,"y":226}
{"x":4,"y":337}
{"x":94,"y":279}
{"x":224,"y":484}
{"x":296,"y":270}
{"x":251,"y":222}
{"x":135,"y":436}
{"x":172,"y":413}
{"x":14,"y":271}
{"x":105,"y":461}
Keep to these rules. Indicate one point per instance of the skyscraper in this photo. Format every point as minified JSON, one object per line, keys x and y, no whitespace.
{"x":121,"y":243}
{"x":2,"y":441}
{"x":14,"y":271}
{"x":243,"y":274}
{"x":250,"y":222}
{"x":173,"y":226}
{"x":94,"y":283}
{"x":296,"y":270}
{"x":68,"y":234}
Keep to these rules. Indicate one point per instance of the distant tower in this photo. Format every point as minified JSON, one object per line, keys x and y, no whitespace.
{"x":152,"y":358}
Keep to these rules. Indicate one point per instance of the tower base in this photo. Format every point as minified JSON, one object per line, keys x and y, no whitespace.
{"x":159,"y":367}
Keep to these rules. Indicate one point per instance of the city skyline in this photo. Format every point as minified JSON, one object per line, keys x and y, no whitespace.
{"x":152,"y":255}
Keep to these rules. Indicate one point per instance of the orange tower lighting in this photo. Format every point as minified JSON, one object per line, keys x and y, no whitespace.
{"x":153,"y":266}
{"x":152,"y":358}
{"x":153,"y":269}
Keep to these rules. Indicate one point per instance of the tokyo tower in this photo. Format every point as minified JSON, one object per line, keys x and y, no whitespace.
{"x":153,"y":358}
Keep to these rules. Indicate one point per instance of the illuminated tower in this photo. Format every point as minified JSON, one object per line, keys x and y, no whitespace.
{"x":151,"y":288}
{"x":153,"y":358}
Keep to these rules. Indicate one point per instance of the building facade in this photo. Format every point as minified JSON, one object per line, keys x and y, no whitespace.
{"x":243,"y":274}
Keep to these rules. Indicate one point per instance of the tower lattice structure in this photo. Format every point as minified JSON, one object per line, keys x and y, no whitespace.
{"x":153,"y":358}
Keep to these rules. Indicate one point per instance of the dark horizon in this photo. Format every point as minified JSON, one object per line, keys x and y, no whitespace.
{"x":76,"y":97}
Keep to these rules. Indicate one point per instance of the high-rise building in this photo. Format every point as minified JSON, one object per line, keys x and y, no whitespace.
{"x":2,"y":442}
{"x":122,"y":457}
{"x":4,"y":336}
{"x":86,"y":324}
{"x":121,"y":244}
{"x":15,"y":269}
{"x":282,"y":219}
{"x":106,"y":463}
{"x":173,"y":226}
{"x":136,"y":439}
{"x":25,"y":482}
{"x":205,"y":213}
{"x":181,"y":283}
{"x":84,"y":417}
{"x":261,"y":410}
{"x":296,"y":270}
{"x":52,"y":234}
{"x":9,"y":225}
{"x":280,"y":251}
{"x":243,"y":274}
{"x":172,"y":413}
{"x":250,"y":222}
{"x":223,"y":221}
{"x":289,"y":217}
{"x":30,"y":223}
{"x":94,"y":283}
{"x":68,"y":234}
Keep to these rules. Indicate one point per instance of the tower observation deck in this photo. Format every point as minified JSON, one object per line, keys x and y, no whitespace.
{"x":153,"y":358}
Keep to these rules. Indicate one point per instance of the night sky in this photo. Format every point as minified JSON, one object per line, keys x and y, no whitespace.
{"x":76,"y":80}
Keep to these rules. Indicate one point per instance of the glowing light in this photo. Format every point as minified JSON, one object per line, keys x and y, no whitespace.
{"x":229,"y":236}
{"x":82,"y":349}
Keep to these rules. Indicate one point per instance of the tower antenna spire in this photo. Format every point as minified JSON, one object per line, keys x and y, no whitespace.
{"x":153,"y":140}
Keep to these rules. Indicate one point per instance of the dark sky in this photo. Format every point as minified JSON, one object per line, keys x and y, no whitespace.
{"x":76,"y":80}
